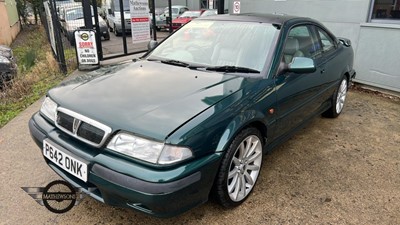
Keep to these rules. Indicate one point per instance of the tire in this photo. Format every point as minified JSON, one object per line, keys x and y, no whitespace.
{"x":338,"y":100}
{"x":107,"y":36}
{"x":239,"y":169}
{"x":116,"y":31}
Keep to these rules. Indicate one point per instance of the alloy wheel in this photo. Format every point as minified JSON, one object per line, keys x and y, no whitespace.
{"x":341,"y":96}
{"x":244,"y":168}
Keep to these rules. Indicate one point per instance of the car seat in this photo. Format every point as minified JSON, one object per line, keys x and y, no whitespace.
{"x":291,"y":50}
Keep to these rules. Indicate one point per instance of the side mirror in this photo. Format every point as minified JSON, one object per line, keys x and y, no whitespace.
{"x":151,"y":45}
{"x":109,"y":11}
{"x":302,"y":65}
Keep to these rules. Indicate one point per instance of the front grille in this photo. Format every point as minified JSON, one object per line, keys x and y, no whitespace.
{"x":90,"y":132}
{"x":81,"y":127}
{"x":65,"y":121}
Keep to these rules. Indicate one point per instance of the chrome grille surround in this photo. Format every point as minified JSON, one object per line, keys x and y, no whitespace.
{"x":73,"y":127}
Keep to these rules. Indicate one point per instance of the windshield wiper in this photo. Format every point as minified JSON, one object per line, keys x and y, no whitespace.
{"x":175,"y":62}
{"x":235,"y":69}
{"x":78,"y":18}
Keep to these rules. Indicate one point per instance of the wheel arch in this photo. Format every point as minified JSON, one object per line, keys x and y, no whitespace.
{"x":346,"y":73}
{"x":240,"y":123}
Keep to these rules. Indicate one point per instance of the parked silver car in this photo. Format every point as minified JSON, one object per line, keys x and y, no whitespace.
{"x":72,"y":19}
{"x":160,"y":19}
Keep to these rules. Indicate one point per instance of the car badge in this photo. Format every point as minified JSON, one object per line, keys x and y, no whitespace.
{"x":75,"y":126}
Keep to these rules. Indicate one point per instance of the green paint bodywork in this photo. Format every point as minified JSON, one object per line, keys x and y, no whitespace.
{"x":198,"y":109}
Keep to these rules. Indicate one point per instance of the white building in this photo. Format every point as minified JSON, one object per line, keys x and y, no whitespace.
{"x":373,"y":26}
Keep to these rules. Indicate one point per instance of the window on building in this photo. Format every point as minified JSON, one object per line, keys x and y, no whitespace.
{"x":385,"y":11}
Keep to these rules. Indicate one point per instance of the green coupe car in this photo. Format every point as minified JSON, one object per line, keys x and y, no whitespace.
{"x":194,"y":116}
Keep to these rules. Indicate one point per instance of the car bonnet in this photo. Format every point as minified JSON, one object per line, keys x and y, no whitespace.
{"x":150,"y":99}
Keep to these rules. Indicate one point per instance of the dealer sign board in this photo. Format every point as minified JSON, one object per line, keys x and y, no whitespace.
{"x":140,"y":22}
{"x":86,"y":47}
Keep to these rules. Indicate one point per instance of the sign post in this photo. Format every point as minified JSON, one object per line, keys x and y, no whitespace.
{"x":210,"y":4}
{"x":86,"y":47}
{"x":236,"y":7}
{"x":140,"y":21}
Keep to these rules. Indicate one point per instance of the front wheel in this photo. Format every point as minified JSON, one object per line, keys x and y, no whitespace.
{"x":107,"y":36}
{"x":338,"y":100}
{"x":239,"y":168}
{"x":116,"y":31}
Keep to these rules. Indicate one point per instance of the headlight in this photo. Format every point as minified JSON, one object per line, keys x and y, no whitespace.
{"x":146,"y":150}
{"x":49,"y":109}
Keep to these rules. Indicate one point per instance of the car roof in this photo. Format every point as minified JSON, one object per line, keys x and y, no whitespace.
{"x":258,"y":17}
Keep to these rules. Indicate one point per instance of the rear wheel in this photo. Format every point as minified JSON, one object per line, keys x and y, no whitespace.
{"x":239,"y":168}
{"x":338,"y":100}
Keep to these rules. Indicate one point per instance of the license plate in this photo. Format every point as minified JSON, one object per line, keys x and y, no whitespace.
{"x":65,"y":161}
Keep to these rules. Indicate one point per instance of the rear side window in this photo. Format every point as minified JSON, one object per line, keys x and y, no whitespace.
{"x":326,"y":41}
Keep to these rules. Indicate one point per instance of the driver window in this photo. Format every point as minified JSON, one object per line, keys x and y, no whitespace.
{"x":299,"y":43}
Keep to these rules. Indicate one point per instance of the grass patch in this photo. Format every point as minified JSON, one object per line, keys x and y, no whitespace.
{"x":38,"y":71}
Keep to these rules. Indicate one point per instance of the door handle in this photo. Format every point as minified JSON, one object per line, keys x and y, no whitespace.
{"x":322,"y":71}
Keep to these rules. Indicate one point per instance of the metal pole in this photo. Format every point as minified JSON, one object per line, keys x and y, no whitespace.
{"x":98,"y":34}
{"x":221,"y":6}
{"x":153,"y":12}
{"x":57,"y":37}
{"x":121,"y":9}
{"x":87,"y":14}
{"x":170,"y":15}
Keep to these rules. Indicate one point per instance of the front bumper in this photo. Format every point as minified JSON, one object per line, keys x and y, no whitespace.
{"x":118,"y":182}
{"x":104,"y":31}
{"x":176,"y":25}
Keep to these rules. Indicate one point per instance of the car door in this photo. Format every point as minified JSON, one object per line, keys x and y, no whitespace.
{"x":297,"y":92}
{"x":329,"y":61}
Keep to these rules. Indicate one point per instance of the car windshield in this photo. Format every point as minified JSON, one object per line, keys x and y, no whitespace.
{"x":159,"y":11}
{"x":212,"y":44}
{"x":75,"y":13}
{"x":209,"y":13}
{"x":174,"y":11}
{"x":190,"y":14}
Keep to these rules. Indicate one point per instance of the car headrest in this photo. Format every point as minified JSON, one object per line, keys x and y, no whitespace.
{"x":292,"y":45}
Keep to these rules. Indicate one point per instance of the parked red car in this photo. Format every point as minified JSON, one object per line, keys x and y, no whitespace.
{"x":186,"y":17}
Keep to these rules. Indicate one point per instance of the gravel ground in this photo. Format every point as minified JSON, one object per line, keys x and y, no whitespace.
{"x":334,"y":171}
